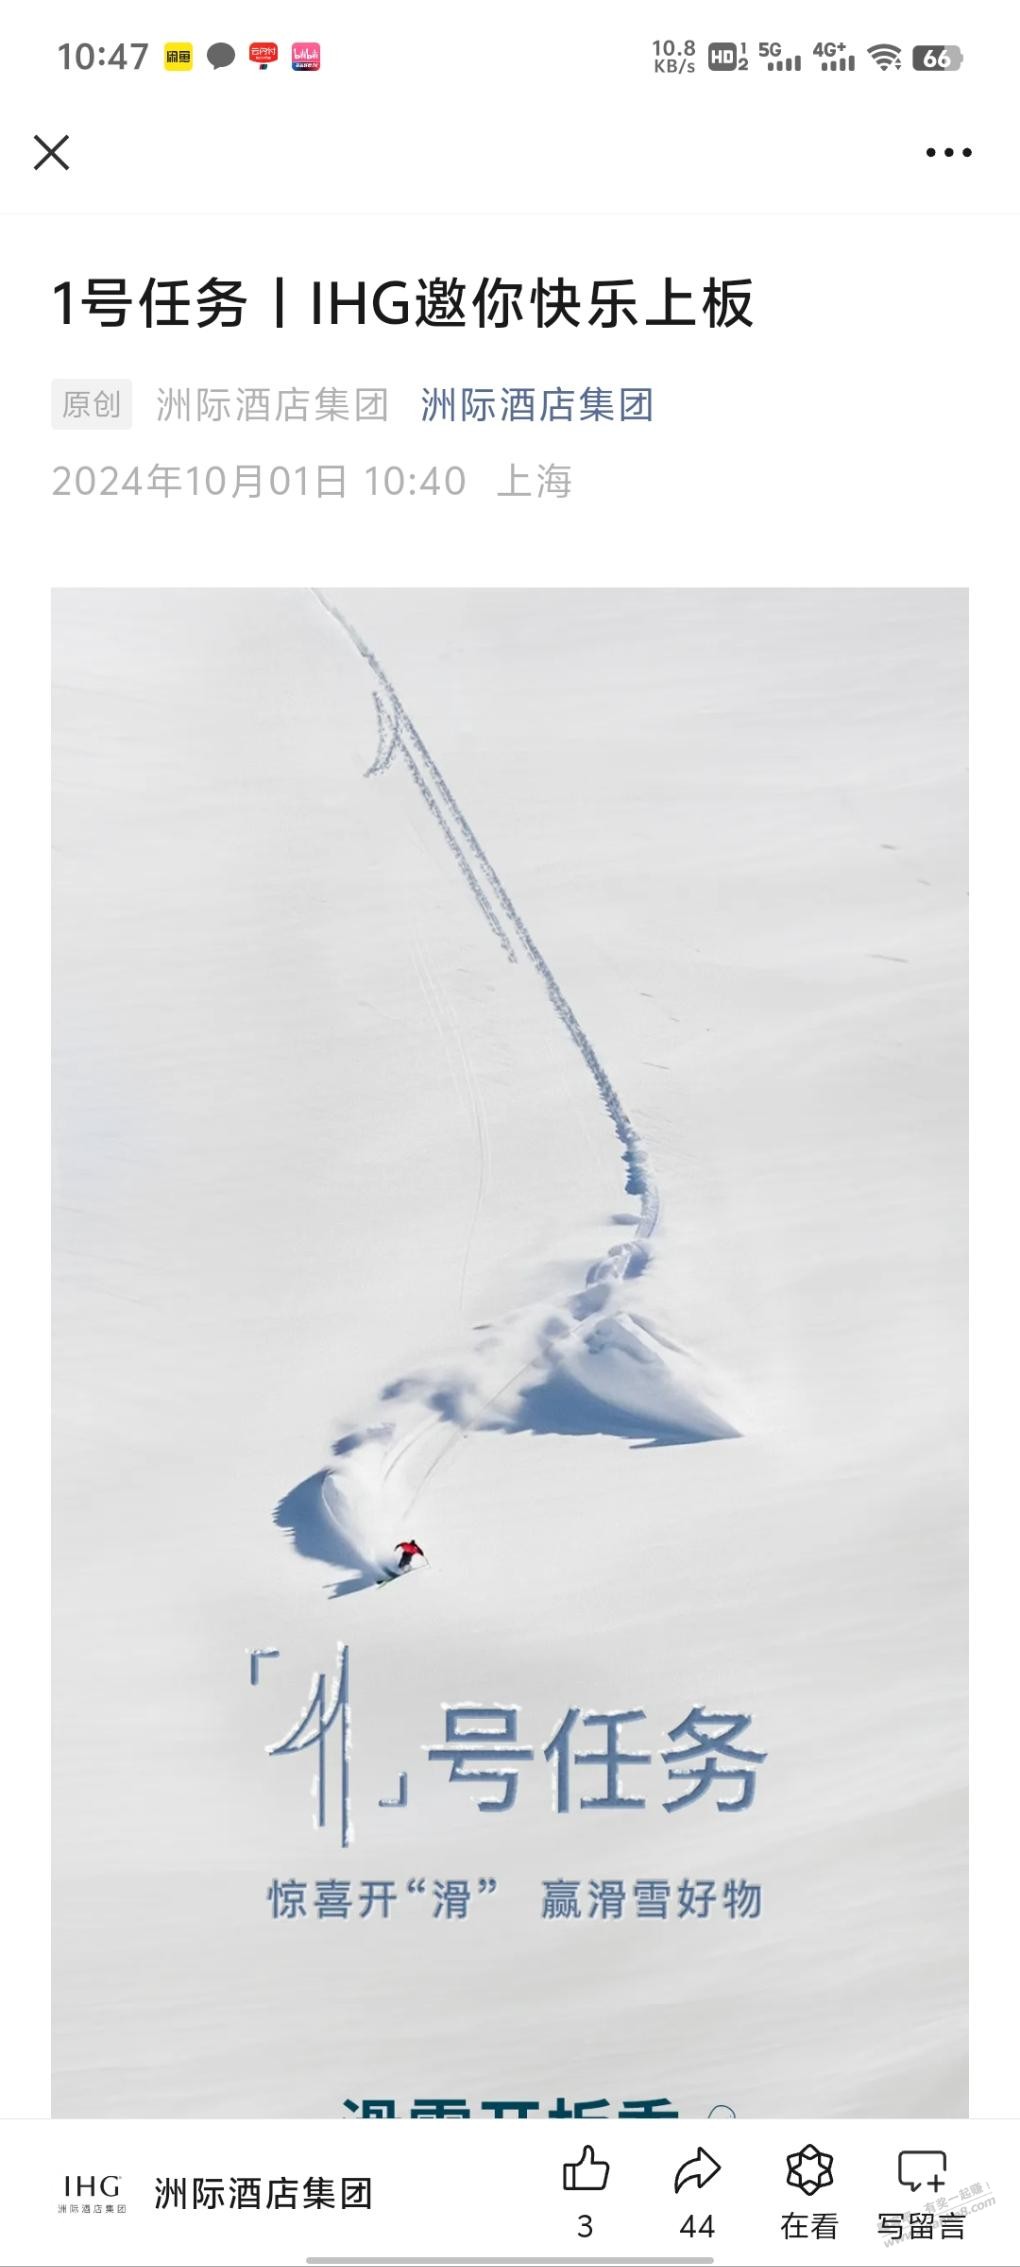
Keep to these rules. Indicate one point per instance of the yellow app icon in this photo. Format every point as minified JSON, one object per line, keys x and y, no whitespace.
{"x":178,"y":55}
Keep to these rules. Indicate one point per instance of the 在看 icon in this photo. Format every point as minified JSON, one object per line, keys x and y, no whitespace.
{"x":922,"y":2168}
{"x":589,"y":2172}
{"x":809,"y":2169}
{"x":701,"y":2168}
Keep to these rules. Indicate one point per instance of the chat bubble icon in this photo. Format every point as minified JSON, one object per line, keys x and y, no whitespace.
{"x":922,"y":2168}
{"x":220,"y":54}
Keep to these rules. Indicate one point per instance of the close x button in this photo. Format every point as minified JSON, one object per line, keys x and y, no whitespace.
{"x":51,"y":149}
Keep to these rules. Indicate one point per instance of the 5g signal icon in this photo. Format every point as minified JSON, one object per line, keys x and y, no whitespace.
{"x":887,"y":58}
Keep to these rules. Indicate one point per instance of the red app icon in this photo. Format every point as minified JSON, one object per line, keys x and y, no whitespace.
{"x":263,"y":52}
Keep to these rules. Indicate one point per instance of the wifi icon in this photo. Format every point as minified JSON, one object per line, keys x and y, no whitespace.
{"x":887,"y":58}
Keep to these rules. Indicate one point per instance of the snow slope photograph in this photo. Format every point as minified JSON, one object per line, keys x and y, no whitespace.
{"x":509,"y":1527}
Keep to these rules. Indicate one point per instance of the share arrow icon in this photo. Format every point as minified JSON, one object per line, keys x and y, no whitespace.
{"x":701,"y":2168}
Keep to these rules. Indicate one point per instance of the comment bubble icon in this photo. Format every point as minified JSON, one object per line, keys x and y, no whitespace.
{"x":922,"y":2168}
{"x":220,"y":54}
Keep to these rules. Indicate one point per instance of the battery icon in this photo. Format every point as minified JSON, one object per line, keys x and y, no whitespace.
{"x":937,"y":58}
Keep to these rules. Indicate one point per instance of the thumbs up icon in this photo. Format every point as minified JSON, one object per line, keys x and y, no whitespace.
{"x":589,"y":2171}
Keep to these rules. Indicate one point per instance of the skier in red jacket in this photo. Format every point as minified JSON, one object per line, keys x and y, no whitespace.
{"x":408,"y":1551}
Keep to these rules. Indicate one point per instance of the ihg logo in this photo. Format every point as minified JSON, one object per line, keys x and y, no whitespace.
{"x":89,"y":2184}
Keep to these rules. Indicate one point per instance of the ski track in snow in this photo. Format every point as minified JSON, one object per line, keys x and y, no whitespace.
{"x":397,"y":735}
{"x":591,"y":1365}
